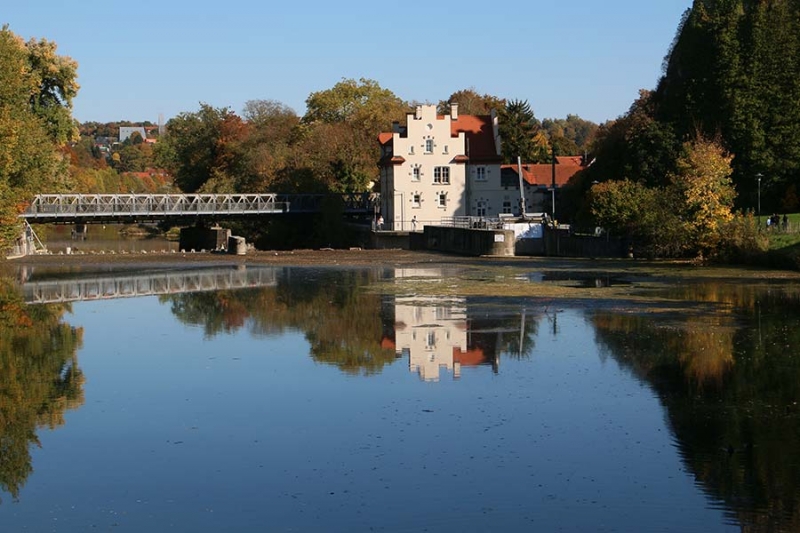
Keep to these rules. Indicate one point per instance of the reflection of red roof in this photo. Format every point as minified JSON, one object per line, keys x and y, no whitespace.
{"x":542,"y":174}
{"x":387,"y":343}
{"x":472,"y":357}
{"x":479,"y":136}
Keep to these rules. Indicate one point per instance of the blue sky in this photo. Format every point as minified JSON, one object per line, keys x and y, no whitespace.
{"x":139,"y":59}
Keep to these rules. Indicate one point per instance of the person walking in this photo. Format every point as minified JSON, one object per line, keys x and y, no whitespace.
{"x":414,"y":223}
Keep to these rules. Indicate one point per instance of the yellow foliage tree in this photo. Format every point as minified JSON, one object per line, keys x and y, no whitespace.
{"x":703,"y":182}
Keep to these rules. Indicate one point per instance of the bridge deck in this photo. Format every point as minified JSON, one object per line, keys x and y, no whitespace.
{"x":83,"y":208}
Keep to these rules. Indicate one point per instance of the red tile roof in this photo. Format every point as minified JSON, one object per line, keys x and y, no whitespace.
{"x":542,"y":174}
{"x":479,"y":137}
{"x":569,"y":160}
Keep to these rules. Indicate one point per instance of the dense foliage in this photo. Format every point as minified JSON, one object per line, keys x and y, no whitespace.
{"x":742,"y":87}
{"x":742,"y":92}
{"x":36,"y":91}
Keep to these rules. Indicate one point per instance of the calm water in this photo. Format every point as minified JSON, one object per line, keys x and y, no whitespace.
{"x":103,"y":238}
{"x":280,"y":399}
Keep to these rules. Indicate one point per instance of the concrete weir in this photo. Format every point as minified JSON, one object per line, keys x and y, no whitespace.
{"x":470,"y":241}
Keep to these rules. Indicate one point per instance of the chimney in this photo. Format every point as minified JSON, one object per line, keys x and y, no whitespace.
{"x":453,"y":111}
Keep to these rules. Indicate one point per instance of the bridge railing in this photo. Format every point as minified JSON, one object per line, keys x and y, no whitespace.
{"x":46,"y":207}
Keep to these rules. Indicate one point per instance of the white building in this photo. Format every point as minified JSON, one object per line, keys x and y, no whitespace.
{"x":126,"y":131}
{"x":438,"y":167}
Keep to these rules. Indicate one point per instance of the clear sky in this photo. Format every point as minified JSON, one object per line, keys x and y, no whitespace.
{"x":141,"y":59}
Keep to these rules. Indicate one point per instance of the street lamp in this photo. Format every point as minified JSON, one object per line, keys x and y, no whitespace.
{"x":759,"y":176}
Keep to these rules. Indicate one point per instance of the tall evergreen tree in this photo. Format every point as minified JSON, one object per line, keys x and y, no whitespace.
{"x":518,"y":127}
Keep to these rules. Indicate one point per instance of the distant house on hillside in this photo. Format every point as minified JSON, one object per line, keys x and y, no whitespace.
{"x":126,"y":131}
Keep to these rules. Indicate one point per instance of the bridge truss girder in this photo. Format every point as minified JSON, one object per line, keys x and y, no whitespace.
{"x":130,"y":208}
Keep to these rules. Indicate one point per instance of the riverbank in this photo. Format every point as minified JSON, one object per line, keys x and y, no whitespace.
{"x":383,"y":257}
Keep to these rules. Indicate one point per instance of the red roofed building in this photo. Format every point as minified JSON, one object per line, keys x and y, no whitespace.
{"x":428,"y":165}
{"x":437,"y":167}
{"x":538,"y":181}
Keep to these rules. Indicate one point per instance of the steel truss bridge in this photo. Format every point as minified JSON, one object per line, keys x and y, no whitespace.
{"x":154,"y":283}
{"x":132,"y":208}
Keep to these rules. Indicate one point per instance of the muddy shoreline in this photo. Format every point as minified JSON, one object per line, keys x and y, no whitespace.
{"x":386,"y":257}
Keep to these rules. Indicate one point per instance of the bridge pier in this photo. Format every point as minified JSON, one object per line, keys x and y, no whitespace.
{"x":201,"y":238}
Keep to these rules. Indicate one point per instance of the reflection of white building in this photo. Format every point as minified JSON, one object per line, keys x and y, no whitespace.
{"x":430,"y":331}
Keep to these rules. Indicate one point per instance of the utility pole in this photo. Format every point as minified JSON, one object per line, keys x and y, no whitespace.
{"x":553,"y":186}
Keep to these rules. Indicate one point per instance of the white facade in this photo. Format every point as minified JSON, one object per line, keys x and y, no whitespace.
{"x":429,"y":166}
{"x":422,"y":181}
{"x":433,"y":331}
{"x":434,"y":168}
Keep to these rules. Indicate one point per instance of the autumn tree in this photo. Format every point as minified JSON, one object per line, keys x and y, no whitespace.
{"x":349,"y":116}
{"x":636,"y":146}
{"x":268,"y":147}
{"x":571,"y":136}
{"x":471,"y":103}
{"x":203,"y":149}
{"x":703,"y":183}
{"x":36,"y":90}
{"x":55,"y":81}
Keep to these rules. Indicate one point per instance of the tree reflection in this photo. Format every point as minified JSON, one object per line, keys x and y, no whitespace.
{"x":343,"y":325}
{"x":731,"y":394}
{"x":39,"y":379}
{"x":356,"y":329}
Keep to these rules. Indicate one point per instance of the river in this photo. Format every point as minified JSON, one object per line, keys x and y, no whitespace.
{"x":398,"y":399}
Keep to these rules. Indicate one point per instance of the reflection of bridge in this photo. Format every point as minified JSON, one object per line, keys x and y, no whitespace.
{"x":154,"y":283}
{"x":130,"y":208}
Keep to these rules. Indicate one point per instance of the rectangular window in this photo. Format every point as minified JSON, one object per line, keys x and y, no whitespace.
{"x":428,"y":146}
{"x":411,"y":149}
{"x":480,"y":173}
{"x":481,"y":210}
{"x":430,"y":341}
{"x":507,"y":206}
{"x":441,"y":175}
{"x":416,"y":200}
{"x":445,"y":149}
{"x":415,"y":174}
{"x":441,"y":199}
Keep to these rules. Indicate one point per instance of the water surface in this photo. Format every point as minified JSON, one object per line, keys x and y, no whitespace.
{"x":288,"y":399}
